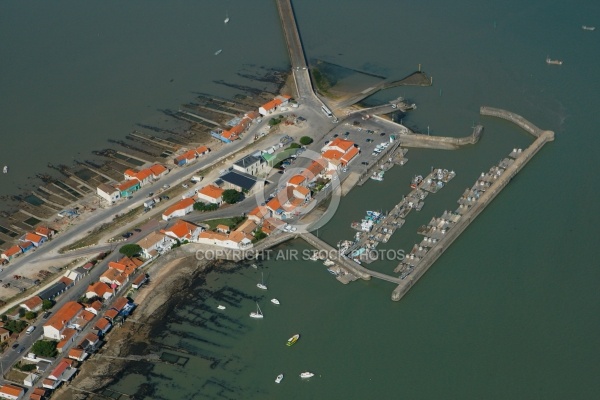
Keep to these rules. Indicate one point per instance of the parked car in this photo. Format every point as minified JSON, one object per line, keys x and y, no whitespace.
{"x":150,"y":194}
{"x":365,"y":163}
{"x":46,"y":314}
{"x":127,"y":235}
{"x":21,"y":349}
{"x":14,"y":346}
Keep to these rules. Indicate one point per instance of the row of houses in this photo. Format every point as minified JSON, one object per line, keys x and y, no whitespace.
{"x":28,"y":242}
{"x":133,"y":181}
{"x":190,"y":156}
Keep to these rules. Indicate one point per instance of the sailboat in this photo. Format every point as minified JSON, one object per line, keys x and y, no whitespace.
{"x":226,"y":17}
{"x":261,"y":284}
{"x":258,"y":314}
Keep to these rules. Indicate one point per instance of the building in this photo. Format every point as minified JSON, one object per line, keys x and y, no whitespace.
{"x":144,"y":176}
{"x":4,"y":335}
{"x":154,"y":244}
{"x":32,"y":304}
{"x":26,"y":246}
{"x":251,"y":164}
{"x":139,"y":281}
{"x":185,"y":158}
{"x":11,"y":253}
{"x":45,"y":232}
{"x":38,"y":394}
{"x":34,"y":238}
{"x":11,"y":392}
{"x":202,"y":150}
{"x":339,"y":152}
{"x":77,"y":354}
{"x":179,"y":209}
{"x":269,"y":107}
{"x":259,"y":213}
{"x":129,"y":187}
{"x":158,"y":171}
{"x":239,"y":181}
{"x":235,"y":240}
{"x":108,"y":193}
{"x":99,"y":289}
{"x":103,"y":326}
{"x":211,"y":194}
{"x":183,"y":231}
{"x":63,"y":371}
{"x":57,"y":323}
{"x":94,"y":308}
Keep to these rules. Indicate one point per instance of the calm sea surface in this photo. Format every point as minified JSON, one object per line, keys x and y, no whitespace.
{"x":509,"y":311}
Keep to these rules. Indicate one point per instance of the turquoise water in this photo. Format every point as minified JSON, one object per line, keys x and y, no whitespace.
{"x":509,"y":311}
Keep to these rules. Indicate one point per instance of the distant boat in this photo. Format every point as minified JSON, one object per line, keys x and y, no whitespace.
{"x":5,"y":169}
{"x":220,"y":307}
{"x":226,"y":17}
{"x":306,"y":375}
{"x":254,"y":266}
{"x":553,"y":62}
{"x":218,"y":52}
{"x":258,"y":314}
{"x":279,"y":378}
{"x":291,"y":341}
{"x":588,"y":28}
{"x":275,"y":301}
{"x":328,"y":263}
{"x":261,"y":284}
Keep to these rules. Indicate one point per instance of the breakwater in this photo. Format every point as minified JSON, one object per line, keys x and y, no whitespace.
{"x":542,"y":137}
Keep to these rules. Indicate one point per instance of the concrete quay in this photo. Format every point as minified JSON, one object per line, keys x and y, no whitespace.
{"x":472,"y":211}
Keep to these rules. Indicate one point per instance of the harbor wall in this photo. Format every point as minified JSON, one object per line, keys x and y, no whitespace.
{"x":467,"y":218}
{"x":512,"y":117}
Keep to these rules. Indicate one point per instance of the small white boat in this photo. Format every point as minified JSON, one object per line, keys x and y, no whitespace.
{"x":261,"y":284}
{"x":258,"y":314}
{"x":5,"y":169}
{"x":328,"y":263}
{"x":306,"y":375}
{"x":254,"y":266}
{"x":275,"y":301}
{"x":279,"y":378}
{"x":226,"y":18}
{"x":221,"y":307}
{"x":588,"y":28}
{"x":218,"y":52}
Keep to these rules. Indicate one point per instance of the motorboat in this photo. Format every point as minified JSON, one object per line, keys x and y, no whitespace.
{"x":258,"y":314}
{"x":5,"y":169}
{"x":218,"y":52}
{"x":221,"y":307}
{"x":291,"y":341}
{"x":275,"y":301}
{"x":279,"y":378}
{"x":553,"y":62}
{"x":306,"y":375}
{"x":588,"y":28}
{"x":328,"y":263}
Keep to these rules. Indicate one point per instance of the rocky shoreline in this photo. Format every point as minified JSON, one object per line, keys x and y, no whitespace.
{"x":125,"y":345}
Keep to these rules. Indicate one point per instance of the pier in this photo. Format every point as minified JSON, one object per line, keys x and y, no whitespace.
{"x":486,"y":198}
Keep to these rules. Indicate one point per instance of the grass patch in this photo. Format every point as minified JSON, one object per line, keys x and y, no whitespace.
{"x":232,"y":222}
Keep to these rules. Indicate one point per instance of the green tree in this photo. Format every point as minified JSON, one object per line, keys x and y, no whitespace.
{"x":293,"y":146}
{"x":44,"y":348}
{"x":26,"y":367}
{"x":305,"y":140}
{"x":29,"y":315}
{"x":232,"y":196}
{"x":47,"y":304}
{"x":200,"y":206}
{"x":15,"y":326}
{"x":259,"y":235}
{"x":22,"y":312}
{"x":130,"y":250}
{"x":274,"y":121}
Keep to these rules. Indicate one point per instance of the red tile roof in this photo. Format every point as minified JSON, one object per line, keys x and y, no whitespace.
{"x":88,"y":316}
{"x":271,"y":104}
{"x":297,"y":180}
{"x":102,"y":324}
{"x":158,"y":169}
{"x":32,"y":237}
{"x":202,"y":149}
{"x":127,"y":185}
{"x":180,"y":205}
{"x":60,"y":368}
{"x":111,"y":314}
{"x":342,"y":144}
{"x":212,"y":191}
{"x":182,"y":229}
{"x":350,"y":154}
{"x":33,"y":302}
{"x":143,"y":174}
{"x":43,"y":230}
{"x":99,"y":288}
{"x":120,"y":303}
{"x":12,"y":251}
{"x":65,"y":314}
{"x":11,"y":390}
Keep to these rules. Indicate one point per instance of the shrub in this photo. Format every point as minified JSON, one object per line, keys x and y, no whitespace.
{"x":130,"y":250}
{"x":44,"y":348}
{"x":30,"y":315}
{"x":305,"y":140}
{"x":232,"y":196}
{"x":47,"y":304}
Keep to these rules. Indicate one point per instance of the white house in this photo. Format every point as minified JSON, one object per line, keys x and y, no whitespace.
{"x":251,"y":164}
{"x":235,"y":240}
{"x":61,"y":319}
{"x":183,"y":230}
{"x":211,"y":194}
{"x":155,"y":243}
{"x":11,"y":392}
{"x":108,"y":193}
{"x":179,"y":209}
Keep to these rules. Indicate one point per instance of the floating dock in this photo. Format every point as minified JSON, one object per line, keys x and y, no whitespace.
{"x":484,"y":191}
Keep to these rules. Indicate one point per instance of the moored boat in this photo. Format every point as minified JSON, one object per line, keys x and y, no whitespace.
{"x":279,"y":378}
{"x":275,"y":301}
{"x":306,"y":374}
{"x":291,"y":341}
{"x":218,"y":52}
{"x":221,"y":307}
{"x":588,"y":28}
{"x":5,"y":169}
{"x":416,"y":181}
{"x":553,"y":62}
{"x":258,"y":314}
